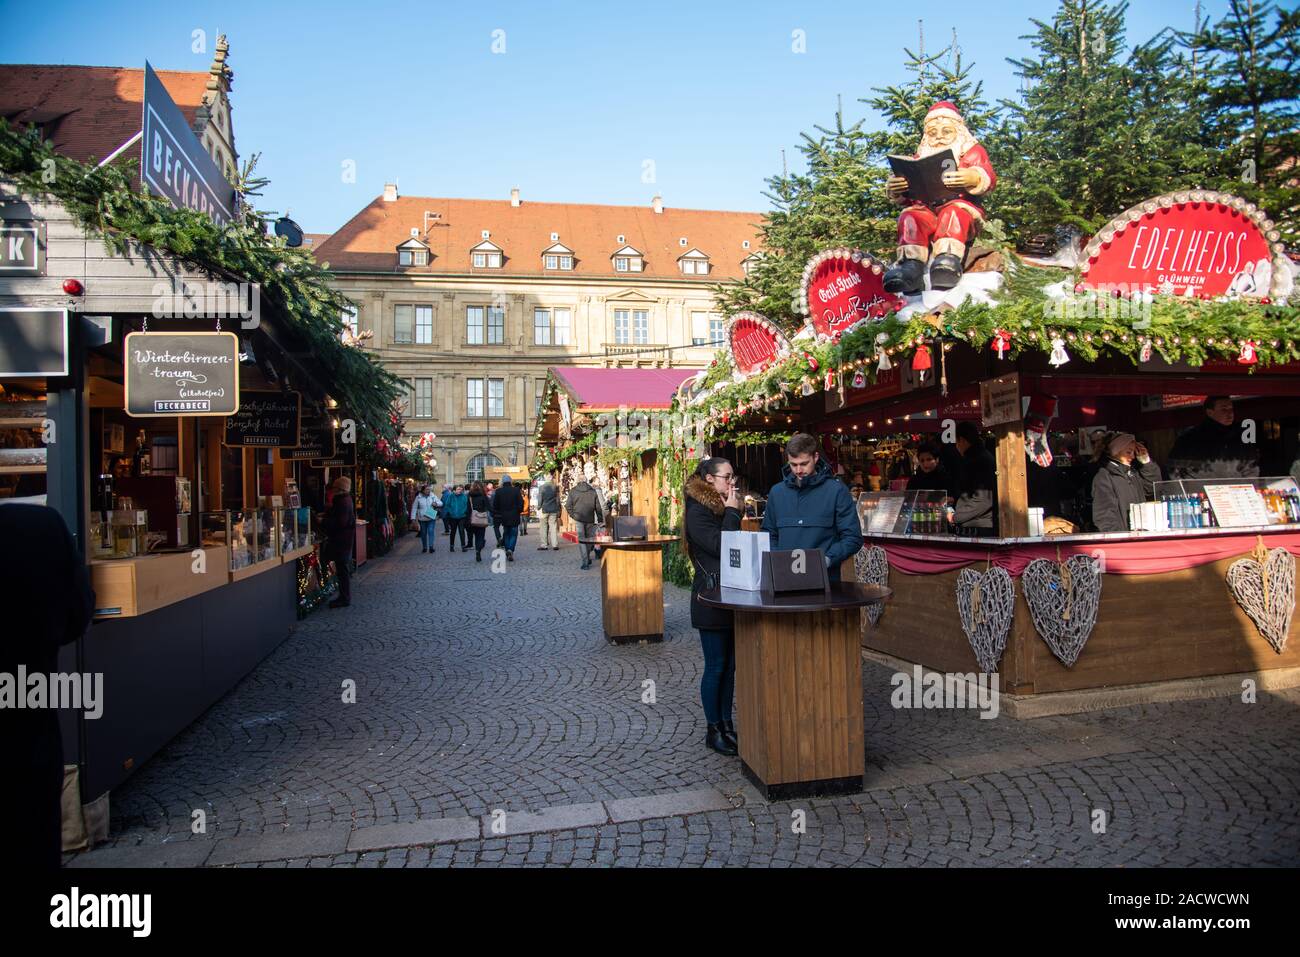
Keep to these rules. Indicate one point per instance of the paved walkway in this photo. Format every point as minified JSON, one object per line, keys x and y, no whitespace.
{"x":494,"y":725}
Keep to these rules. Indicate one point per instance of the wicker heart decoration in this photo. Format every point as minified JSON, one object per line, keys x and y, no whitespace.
{"x":986,"y":603}
{"x":1063,"y":600}
{"x":872,"y":565}
{"x":1268,"y":603}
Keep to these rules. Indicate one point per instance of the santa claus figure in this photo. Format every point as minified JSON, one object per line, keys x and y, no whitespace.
{"x":939,"y":234}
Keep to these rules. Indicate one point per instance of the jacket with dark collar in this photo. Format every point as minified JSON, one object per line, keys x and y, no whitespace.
{"x":705,"y":519}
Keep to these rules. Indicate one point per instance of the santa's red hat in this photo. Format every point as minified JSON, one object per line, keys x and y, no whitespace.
{"x":943,"y":108}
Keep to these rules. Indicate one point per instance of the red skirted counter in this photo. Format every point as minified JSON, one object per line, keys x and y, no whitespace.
{"x":1164,"y":611}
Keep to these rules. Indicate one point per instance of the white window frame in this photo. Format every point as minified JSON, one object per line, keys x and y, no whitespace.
{"x":541,"y":326}
{"x":350,"y":315}
{"x":622,"y":327}
{"x":421,"y":257}
{"x":562,"y":332}
{"x":621,"y":263}
{"x":552,"y":261}
{"x":539,"y":391}
{"x":481,"y":325}
{"x":480,"y":260}
{"x":640,"y":327}
{"x":695,"y":267}
{"x":423,"y":404}
{"x":496,"y":398}
{"x":423,"y":329}
{"x":404,"y":257}
{"x":397,"y":324}
{"x":474,"y":398}
{"x":566,"y":262}
{"x":717,"y":330}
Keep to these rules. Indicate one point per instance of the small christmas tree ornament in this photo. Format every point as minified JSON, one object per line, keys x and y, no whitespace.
{"x":1059,"y":356}
{"x":882,"y":364}
{"x":813,"y":364}
{"x":1001,"y":342}
{"x":1145,"y":354}
{"x":807,"y":387}
{"x":1248,"y":355}
{"x":859,"y":380}
{"x":830,"y":380}
{"x":921,"y":361}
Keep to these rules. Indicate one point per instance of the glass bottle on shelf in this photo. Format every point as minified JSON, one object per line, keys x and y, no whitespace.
{"x":140,"y":464}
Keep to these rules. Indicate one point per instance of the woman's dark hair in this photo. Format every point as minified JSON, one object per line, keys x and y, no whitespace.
{"x":969,"y":431}
{"x":706,"y":467}
{"x":476,"y":489}
{"x":928,"y":448}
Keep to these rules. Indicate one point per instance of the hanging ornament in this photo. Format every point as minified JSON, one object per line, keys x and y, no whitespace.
{"x":830,"y":379}
{"x":1001,"y":342}
{"x":883,"y":365}
{"x":1059,"y":356}
{"x":921,"y":361}
{"x":1247,"y":357}
{"x":807,"y":387}
{"x":1145,"y":354}
{"x":813,"y":365}
{"x":859,"y":380}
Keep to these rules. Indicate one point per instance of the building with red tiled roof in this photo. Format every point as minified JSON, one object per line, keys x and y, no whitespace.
{"x":471,"y":300}
{"x":88,"y":112}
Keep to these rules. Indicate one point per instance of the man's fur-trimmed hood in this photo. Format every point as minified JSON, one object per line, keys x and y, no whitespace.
{"x":704,"y":493}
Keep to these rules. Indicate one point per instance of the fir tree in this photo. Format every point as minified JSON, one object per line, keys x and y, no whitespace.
{"x":1097,"y":129}
{"x":838,"y":200}
{"x":1249,"y":86}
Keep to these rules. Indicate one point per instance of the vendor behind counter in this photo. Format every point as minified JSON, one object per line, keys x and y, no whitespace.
{"x":1126,"y":475}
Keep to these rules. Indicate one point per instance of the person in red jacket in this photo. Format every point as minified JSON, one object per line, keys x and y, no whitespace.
{"x":939,"y":234}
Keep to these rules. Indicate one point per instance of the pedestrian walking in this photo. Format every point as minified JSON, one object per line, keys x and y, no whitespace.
{"x":583,"y":506}
{"x":45,"y":592}
{"x":341,"y":537}
{"x":424,"y":511}
{"x":446,"y":519}
{"x":479,"y":518}
{"x":507,"y":507}
{"x":455,"y":508}
{"x":548,"y":511}
{"x":491,"y":490}
{"x":713,"y":507}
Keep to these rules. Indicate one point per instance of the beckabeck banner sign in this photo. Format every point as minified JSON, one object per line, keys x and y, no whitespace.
{"x":174,"y":164}
{"x":181,"y":373}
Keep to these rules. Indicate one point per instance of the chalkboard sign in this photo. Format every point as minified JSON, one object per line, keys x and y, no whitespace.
{"x":316,"y":441}
{"x":181,"y":373}
{"x":266,"y":420}
{"x":345,"y":456}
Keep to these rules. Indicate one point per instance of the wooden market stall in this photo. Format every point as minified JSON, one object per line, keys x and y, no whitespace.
{"x":1194,"y":593}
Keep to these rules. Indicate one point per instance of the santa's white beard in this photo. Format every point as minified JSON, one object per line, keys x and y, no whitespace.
{"x":959,"y":146}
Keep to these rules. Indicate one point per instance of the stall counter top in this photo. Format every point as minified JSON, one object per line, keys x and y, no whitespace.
{"x":843,"y":595}
{"x":1084,"y":537}
{"x":126,"y":587}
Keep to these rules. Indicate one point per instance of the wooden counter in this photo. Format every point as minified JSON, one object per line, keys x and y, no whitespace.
{"x":632,"y":588}
{"x":799,"y":688}
{"x":126,"y":587}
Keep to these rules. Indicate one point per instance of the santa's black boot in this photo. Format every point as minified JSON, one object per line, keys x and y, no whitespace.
{"x":945,"y":271}
{"x":907,"y":276}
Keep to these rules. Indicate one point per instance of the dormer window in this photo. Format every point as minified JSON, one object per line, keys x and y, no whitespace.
{"x":486,"y":255}
{"x":628,"y":259}
{"x":693,"y":263}
{"x":557,"y":256}
{"x":413,"y":252}
{"x":750,"y":262}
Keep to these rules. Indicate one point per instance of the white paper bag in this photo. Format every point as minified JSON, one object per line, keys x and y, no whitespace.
{"x":742,"y":558}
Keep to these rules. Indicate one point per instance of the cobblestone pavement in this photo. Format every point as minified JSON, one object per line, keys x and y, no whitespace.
{"x":479,"y":693}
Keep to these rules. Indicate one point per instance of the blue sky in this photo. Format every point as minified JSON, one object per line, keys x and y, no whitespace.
{"x":584,"y":95}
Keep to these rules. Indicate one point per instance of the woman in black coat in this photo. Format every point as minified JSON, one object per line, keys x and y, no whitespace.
{"x":712,"y":507}
{"x":478,"y":502}
{"x":1120,"y":483}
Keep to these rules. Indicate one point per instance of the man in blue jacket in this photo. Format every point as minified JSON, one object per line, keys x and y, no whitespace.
{"x":810,"y":509}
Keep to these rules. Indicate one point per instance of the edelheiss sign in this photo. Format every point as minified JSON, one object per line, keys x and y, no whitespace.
{"x":174,"y":163}
{"x":182,"y":373}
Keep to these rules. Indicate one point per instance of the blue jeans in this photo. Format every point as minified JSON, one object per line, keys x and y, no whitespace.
{"x":509,"y":536}
{"x":718,"y":685}
{"x":428,"y":533}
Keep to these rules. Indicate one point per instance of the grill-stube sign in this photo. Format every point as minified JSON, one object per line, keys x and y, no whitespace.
{"x":841,"y":287}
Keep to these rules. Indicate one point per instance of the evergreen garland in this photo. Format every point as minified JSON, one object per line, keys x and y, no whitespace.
{"x":105,"y":200}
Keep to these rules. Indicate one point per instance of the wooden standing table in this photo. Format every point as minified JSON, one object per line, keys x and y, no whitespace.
{"x":632,"y":587}
{"x":799,"y":687}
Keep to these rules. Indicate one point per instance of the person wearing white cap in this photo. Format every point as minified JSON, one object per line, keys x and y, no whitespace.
{"x":1118,"y":483}
{"x":940,"y":233}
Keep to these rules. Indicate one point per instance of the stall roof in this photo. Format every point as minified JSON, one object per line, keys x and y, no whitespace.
{"x":594,"y":389}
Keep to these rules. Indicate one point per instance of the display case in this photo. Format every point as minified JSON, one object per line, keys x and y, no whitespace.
{"x":294,"y":533}
{"x":1223,"y":503}
{"x":249,"y":534}
{"x":920,"y":512}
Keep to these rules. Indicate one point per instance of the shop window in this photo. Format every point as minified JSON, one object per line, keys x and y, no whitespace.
{"x":423,"y":398}
{"x":485,"y":325}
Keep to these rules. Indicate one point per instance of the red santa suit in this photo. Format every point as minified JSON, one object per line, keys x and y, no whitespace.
{"x":924,"y":231}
